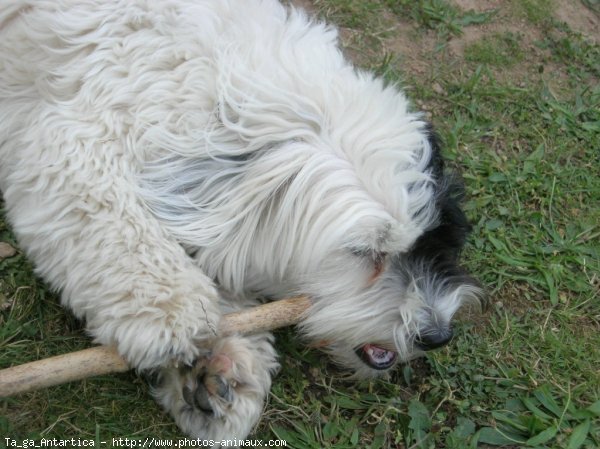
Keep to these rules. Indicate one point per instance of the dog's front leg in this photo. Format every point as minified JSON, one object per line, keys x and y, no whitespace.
{"x":75,"y":210}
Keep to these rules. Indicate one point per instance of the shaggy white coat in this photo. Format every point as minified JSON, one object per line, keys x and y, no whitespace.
{"x":149,"y":149}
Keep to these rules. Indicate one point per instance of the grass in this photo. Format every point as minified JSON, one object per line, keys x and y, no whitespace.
{"x":439,"y":15}
{"x":535,"y":12}
{"x":498,"y":49}
{"x":520,"y":116}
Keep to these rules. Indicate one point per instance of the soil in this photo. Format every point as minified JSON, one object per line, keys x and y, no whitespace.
{"x":415,"y":49}
{"x":579,"y":18}
{"x":572,"y":12}
{"x":307,"y":5}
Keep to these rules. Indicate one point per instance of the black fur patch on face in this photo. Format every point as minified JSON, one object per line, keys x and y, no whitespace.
{"x":448,"y":237}
{"x":438,"y":250}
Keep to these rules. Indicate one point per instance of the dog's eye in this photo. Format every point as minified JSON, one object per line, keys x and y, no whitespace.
{"x":379,"y":260}
{"x":376,"y":258}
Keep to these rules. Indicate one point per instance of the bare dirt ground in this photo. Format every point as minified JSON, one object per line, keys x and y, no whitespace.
{"x":573,"y":13}
{"x":579,"y":18}
{"x":415,"y":48}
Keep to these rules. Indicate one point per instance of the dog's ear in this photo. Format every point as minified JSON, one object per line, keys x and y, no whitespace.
{"x":445,"y":240}
{"x":450,"y":190}
{"x":436,"y":163}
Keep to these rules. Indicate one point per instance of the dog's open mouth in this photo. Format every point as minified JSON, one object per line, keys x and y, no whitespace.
{"x":375,"y":356}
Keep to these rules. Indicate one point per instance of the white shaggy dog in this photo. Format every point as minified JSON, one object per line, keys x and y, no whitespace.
{"x":152,"y":150}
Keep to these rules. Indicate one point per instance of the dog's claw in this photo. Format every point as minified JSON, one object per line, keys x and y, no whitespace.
{"x":206,"y":392}
{"x":201,"y":399}
{"x":224,"y":389}
{"x":197,"y":397}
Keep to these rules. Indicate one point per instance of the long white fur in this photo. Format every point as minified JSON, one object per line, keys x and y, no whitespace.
{"x":132,"y":129}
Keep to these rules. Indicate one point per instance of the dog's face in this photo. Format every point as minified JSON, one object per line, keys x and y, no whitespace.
{"x":375,"y":308}
{"x":407,"y":305}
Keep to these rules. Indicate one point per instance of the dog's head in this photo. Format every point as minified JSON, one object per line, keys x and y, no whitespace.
{"x":374,"y":237}
{"x":349,"y":204}
{"x":408,"y":297}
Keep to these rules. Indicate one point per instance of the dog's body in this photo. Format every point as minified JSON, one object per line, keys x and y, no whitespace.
{"x":151,"y":151}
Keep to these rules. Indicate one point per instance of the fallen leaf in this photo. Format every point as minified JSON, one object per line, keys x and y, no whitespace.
{"x":6,"y":250}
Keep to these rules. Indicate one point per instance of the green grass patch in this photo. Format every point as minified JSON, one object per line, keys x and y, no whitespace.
{"x":438,"y":15}
{"x":499,"y":49}
{"x":537,"y":12}
{"x":580,"y":56}
{"x":352,"y":13}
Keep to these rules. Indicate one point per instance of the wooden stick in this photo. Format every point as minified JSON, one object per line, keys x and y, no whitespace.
{"x":101,"y":360}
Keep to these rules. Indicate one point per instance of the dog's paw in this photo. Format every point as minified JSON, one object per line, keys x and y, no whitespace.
{"x":167,"y":323}
{"x":221,"y":396}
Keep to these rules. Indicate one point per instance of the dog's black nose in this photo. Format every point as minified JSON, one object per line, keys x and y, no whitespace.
{"x":434,"y":339}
